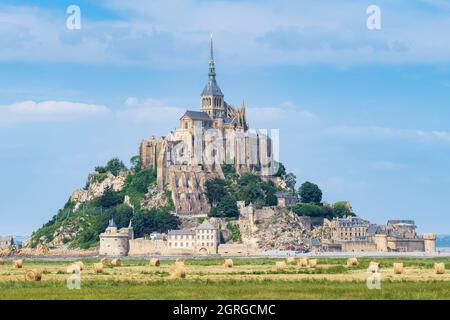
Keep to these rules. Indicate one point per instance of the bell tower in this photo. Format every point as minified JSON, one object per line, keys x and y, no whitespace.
{"x":211,"y":100}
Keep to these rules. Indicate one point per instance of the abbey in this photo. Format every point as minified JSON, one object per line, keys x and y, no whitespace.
{"x":205,"y":140}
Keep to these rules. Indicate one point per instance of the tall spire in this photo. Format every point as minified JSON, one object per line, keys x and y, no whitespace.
{"x":212,"y":64}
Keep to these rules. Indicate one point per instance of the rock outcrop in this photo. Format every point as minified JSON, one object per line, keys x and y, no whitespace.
{"x":97,"y":184}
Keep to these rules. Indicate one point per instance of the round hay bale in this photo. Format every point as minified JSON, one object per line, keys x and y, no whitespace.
{"x":398,"y":268}
{"x":290,"y":260}
{"x":352,"y":262}
{"x":74,"y":268}
{"x":18,"y":264}
{"x":179,"y":262}
{"x":155,"y":262}
{"x":439,"y":268}
{"x":80,"y":264}
{"x":98,"y":267}
{"x":105,"y":261}
{"x":303,"y":262}
{"x":313,"y":263}
{"x":228,"y":263}
{"x":116,"y":262}
{"x":280,"y":265}
{"x":178,"y":273}
{"x":33,"y":275}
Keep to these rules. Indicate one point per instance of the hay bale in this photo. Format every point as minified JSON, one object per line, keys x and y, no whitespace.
{"x":290,"y":260}
{"x":228,"y":263}
{"x":155,"y":262}
{"x":105,"y":261}
{"x":303,"y":262}
{"x":352,"y":262}
{"x":280,"y":265}
{"x":178,"y":273}
{"x":33,"y":275}
{"x":80,"y":264}
{"x":98,"y":267}
{"x":179,"y":262}
{"x":313,"y":263}
{"x":373,"y":267}
{"x":18,"y":264}
{"x":74,"y":268}
{"x":398,"y":268}
{"x":116,"y":262}
{"x":439,"y":268}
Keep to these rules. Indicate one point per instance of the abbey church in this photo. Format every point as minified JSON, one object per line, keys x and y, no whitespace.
{"x":205,"y":140}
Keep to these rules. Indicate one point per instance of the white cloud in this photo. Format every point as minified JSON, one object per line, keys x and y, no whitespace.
{"x":149,"y":110}
{"x":272,"y":32}
{"x":287,"y":113}
{"x":48,"y":111}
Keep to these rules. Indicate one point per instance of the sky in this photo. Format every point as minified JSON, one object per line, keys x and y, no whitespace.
{"x":363,"y":113}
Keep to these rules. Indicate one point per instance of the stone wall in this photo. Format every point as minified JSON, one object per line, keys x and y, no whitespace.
{"x":142,"y":247}
{"x":358,"y":246}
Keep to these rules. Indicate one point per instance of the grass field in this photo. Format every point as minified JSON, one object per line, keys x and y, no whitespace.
{"x":248,"y":279}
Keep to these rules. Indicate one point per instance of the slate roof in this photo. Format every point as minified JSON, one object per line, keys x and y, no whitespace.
{"x":205,"y":226}
{"x":180,"y":232}
{"x":212,"y":88}
{"x":197,"y":115}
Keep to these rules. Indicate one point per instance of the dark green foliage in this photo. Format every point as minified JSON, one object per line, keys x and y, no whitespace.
{"x":109,"y":199}
{"x":310,"y":193}
{"x":122,"y":215}
{"x":136,"y":163}
{"x":215,"y":190}
{"x":309,"y":209}
{"x":114,"y":166}
{"x":281,"y":172}
{"x":159,"y":220}
{"x":339,"y":210}
{"x":251,"y":189}
{"x":235,"y":231}
{"x":229,"y":171}
{"x":342,"y":209}
{"x":271,"y":200}
{"x":226,"y":208}
{"x":136,"y":185}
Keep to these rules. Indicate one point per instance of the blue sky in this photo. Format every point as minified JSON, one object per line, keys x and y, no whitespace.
{"x":363,"y":113}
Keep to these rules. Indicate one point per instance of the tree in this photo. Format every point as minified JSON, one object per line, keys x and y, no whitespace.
{"x":342,"y":209}
{"x":165,"y":221}
{"x":114,"y":166}
{"x":290,"y":180}
{"x":110,"y":198}
{"x":309,"y":209}
{"x":123,"y":215}
{"x":310,"y":193}
{"x":136,"y":163}
{"x":249,"y":189}
{"x":215,"y":190}
{"x":226,"y":208}
{"x":281,"y":172}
